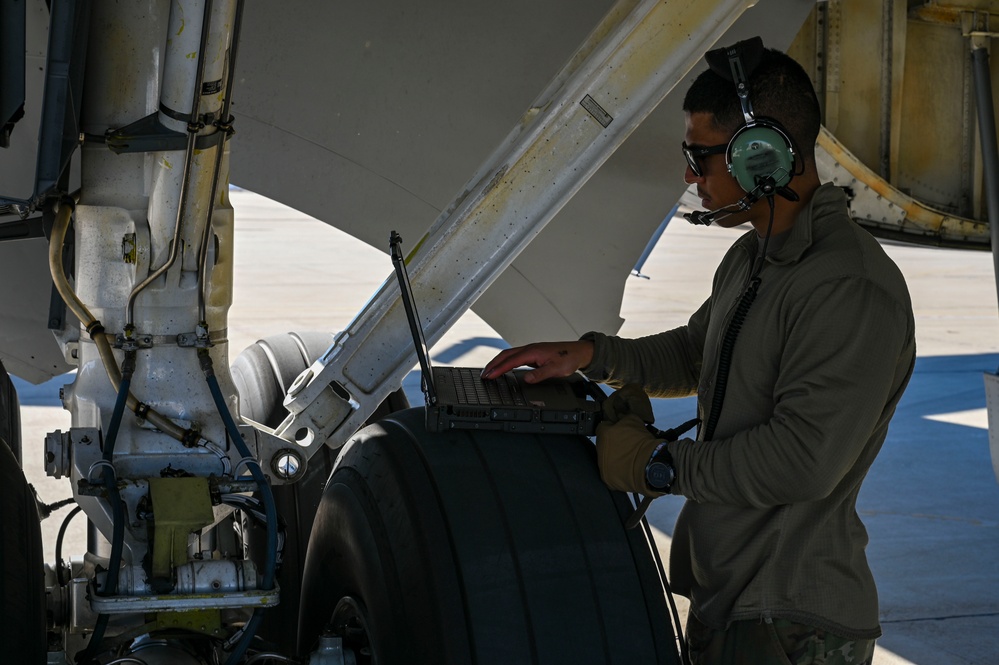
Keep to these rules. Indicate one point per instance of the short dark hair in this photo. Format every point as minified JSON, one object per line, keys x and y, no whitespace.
{"x":779,"y":89}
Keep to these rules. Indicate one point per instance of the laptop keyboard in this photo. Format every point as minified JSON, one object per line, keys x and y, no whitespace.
{"x":472,"y":389}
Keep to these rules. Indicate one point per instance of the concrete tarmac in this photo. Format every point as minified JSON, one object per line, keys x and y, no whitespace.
{"x":931,"y":501}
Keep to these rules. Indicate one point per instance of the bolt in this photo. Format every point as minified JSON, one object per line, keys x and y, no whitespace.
{"x":287,"y":464}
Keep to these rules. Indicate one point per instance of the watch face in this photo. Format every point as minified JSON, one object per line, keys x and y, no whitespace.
{"x":659,"y":475}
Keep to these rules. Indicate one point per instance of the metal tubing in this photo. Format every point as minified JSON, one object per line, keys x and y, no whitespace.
{"x":990,"y":151}
{"x":192,"y":134}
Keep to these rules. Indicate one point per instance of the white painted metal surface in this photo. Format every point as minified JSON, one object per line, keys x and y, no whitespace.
{"x":139,"y":264}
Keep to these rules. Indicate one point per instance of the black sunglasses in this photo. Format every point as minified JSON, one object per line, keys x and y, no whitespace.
{"x":692,"y":155}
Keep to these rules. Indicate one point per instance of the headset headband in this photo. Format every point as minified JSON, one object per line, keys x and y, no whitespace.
{"x":741,"y":84}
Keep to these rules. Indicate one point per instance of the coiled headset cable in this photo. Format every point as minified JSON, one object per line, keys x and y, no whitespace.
{"x":727,"y":350}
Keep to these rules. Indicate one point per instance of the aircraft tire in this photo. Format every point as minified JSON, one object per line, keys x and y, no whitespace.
{"x":262,"y":374}
{"x":22,"y":572}
{"x":10,"y":419}
{"x":479,"y":547}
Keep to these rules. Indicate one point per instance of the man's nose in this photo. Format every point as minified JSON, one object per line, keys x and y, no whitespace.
{"x":690,"y":177}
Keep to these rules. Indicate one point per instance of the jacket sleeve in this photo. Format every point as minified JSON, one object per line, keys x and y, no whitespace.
{"x":666,"y":364}
{"x":848,"y":355}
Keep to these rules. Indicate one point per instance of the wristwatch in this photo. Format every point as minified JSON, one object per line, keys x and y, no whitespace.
{"x":659,"y":472}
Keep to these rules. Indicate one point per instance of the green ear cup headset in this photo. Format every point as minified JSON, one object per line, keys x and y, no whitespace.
{"x":758,"y":152}
{"x":760,"y":155}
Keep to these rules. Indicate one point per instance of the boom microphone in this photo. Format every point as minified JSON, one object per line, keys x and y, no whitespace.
{"x":766,"y":186}
{"x":699,"y":217}
{"x":706,"y":218}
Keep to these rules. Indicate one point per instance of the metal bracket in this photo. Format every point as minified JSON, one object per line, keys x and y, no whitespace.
{"x":177,"y":603}
{"x":149,"y":135}
{"x":136,"y":342}
{"x":196,"y":339}
{"x":282,"y":461}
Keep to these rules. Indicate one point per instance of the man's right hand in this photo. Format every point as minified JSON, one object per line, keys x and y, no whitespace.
{"x":550,"y":359}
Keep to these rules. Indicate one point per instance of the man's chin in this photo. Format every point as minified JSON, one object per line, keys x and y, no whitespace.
{"x":735,"y":219}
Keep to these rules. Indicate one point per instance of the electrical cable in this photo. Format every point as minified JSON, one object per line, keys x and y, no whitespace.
{"x":647,"y":528}
{"x":732,"y":332}
{"x":245,"y":637}
{"x":270,"y":508}
{"x":110,"y":481}
{"x":58,"y":544}
{"x":117,"y":511}
{"x":255,"y":509}
{"x":52,"y":507}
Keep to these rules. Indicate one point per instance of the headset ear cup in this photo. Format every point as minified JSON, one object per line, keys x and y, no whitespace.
{"x":760,"y":150}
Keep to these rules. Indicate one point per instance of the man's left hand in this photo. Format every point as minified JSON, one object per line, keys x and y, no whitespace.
{"x":630,"y":398}
{"x":623,"y":451}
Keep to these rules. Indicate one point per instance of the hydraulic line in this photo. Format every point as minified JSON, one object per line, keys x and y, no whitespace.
{"x":63,"y":214}
{"x":96,"y":330}
{"x":193,"y":127}
{"x":267,"y":495}
{"x":175,"y":243}
{"x":110,"y":482}
{"x":117,"y":512}
{"x":59,"y":541}
{"x":249,"y":630}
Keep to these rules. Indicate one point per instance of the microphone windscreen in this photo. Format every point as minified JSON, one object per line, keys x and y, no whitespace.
{"x":699,"y":217}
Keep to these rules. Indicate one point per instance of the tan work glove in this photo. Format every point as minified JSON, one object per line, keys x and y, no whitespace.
{"x":623,"y":451}
{"x":624,"y":445}
{"x":629,"y":399}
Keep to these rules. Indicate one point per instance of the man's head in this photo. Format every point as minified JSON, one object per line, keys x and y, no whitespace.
{"x":779,"y":89}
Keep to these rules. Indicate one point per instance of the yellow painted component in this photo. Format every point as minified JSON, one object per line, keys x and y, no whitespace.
{"x":916,"y":213}
{"x":206,"y":622}
{"x":951,"y":15}
{"x":180,"y":506}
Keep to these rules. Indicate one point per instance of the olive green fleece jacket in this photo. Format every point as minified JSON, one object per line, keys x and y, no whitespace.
{"x":770,"y":527}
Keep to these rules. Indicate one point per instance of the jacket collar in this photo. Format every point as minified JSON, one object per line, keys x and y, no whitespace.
{"x":826,"y":199}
